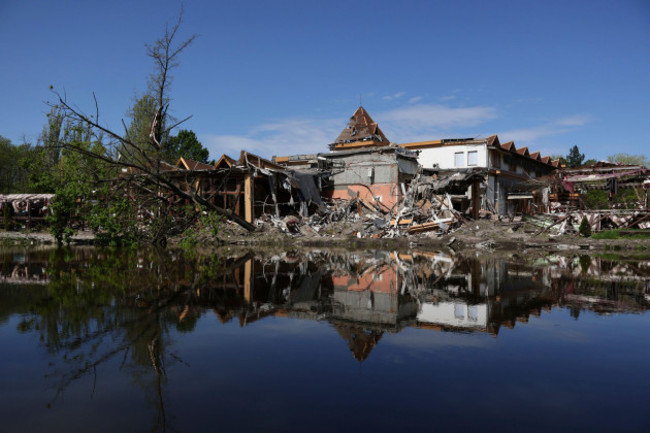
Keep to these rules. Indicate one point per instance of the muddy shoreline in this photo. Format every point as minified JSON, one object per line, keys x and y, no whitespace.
{"x":479,"y":235}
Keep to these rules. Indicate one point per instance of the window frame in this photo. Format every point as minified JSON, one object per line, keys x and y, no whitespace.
{"x":475,"y":153}
{"x":457,"y":159}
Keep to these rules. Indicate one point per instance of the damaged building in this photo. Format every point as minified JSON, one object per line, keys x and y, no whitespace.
{"x":24,"y":209}
{"x":511,"y":183}
{"x":608,"y":195}
{"x":477,"y":174}
{"x":361,"y":164}
{"x":250,"y":186}
{"x":366,"y":186}
{"x":430,"y":185}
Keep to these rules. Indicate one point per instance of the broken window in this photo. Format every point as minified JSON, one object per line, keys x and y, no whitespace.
{"x":494,"y":160}
{"x":459,"y":156}
{"x":472,"y":157}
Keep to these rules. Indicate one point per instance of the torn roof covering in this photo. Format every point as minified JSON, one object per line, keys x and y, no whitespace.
{"x":447,"y":178}
{"x":604,"y":166}
{"x":361,"y":127}
{"x":370,"y":150}
{"x":599,"y":173}
{"x":12,"y":197}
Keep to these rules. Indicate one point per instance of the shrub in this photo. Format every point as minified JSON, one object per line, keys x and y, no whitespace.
{"x":585,"y":228}
{"x":212,"y":221}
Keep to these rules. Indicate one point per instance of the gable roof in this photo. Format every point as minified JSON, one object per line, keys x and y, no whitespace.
{"x":190,"y":164}
{"x":246,"y":158}
{"x":165,"y":166}
{"x":362,"y":130}
{"x":225,"y":162}
{"x":523,"y":151}
{"x":493,"y":140}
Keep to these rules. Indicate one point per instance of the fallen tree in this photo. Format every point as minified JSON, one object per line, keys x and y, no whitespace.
{"x":135,"y":162}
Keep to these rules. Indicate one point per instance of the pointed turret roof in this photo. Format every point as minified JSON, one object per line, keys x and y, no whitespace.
{"x":361,"y":131}
{"x":360,"y":341}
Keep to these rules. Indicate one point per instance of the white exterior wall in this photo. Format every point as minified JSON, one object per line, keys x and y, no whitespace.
{"x":455,"y":314}
{"x":445,"y":156}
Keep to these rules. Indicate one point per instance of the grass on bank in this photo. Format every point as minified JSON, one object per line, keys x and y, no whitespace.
{"x":622,"y":234}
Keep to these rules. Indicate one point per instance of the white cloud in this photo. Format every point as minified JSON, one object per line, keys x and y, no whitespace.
{"x":418,"y":340}
{"x":231,"y":145}
{"x":555,"y":127}
{"x":310,"y":135}
{"x":426,"y":122}
{"x":576,"y":120}
{"x":394,"y":96}
{"x":447,"y":98}
{"x":529,"y":135}
{"x":439,"y":116}
{"x":281,"y":137}
{"x":415,"y":99}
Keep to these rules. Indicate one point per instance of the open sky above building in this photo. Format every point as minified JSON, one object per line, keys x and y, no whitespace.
{"x":283,"y":77}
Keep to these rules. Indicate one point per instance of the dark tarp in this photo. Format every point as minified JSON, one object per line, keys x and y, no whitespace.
{"x":306,"y":185}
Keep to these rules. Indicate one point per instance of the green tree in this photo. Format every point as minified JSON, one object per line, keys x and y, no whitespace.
{"x":185,"y":144}
{"x":6,"y":163}
{"x":41,"y":174}
{"x":81,"y":180}
{"x":41,"y":163}
{"x":560,"y":158}
{"x":627,"y":159}
{"x":13,"y":177}
{"x":574,"y":158}
{"x":140,"y":115}
{"x":50,"y":138}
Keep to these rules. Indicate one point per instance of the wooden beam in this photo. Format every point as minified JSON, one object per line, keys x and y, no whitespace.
{"x":475,"y":199}
{"x":248,"y":280}
{"x":248,"y":198}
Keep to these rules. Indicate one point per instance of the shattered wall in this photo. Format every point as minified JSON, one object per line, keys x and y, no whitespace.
{"x":373,"y":176}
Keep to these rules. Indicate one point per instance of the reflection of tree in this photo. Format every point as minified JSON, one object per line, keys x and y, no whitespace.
{"x":119,"y":307}
{"x":104,"y":305}
{"x":575,"y":312}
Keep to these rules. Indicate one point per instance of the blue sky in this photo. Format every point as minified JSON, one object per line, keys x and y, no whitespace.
{"x":283,"y":77}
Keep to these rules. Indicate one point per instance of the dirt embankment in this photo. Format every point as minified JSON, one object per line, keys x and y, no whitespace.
{"x":8,"y":238}
{"x":480,"y":235}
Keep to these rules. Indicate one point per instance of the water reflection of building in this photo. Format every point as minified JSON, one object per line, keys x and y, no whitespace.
{"x":24,"y":269}
{"x":371,"y":296}
{"x":364,"y":296}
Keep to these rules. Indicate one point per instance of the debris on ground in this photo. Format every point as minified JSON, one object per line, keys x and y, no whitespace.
{"x":419,"y":212}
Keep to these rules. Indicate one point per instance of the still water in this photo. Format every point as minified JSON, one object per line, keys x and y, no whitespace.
{"x":127,"y":340}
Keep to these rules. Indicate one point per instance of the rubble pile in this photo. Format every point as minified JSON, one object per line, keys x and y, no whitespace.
{"x":420,"y":211}
{"x":568,"y":222}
